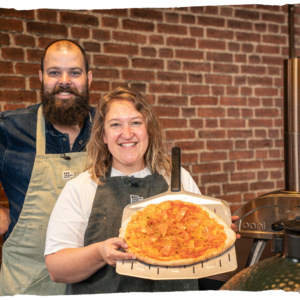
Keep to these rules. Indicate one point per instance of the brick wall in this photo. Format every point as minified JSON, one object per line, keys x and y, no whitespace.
{"x":213,"y":74}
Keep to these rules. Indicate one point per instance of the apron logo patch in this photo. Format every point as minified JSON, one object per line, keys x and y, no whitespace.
{"x":135,"y":198}
{"x":67,"y":175}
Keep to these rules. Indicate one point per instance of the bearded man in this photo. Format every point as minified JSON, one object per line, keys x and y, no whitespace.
{"x":41,"y":148}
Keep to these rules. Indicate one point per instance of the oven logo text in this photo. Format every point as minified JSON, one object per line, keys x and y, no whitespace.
{"x":254,"y":226}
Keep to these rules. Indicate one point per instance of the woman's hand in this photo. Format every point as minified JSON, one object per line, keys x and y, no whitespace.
{"x":234,"y":227}
{"x":109,"y":251}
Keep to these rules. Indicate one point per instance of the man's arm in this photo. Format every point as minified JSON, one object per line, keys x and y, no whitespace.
{"x":4,"y":219}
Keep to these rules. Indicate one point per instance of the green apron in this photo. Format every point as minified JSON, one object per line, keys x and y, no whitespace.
{"x":105,"y":222}
{"x":23,"y":269}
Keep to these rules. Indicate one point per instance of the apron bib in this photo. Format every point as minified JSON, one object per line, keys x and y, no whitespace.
{"x":105,"y":222}
{"x":23,"y":269}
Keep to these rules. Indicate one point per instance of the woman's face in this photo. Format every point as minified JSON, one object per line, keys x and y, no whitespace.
{"x":126,"y":136}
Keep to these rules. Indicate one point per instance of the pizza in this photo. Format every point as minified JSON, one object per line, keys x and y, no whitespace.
{"x":176,"y":233}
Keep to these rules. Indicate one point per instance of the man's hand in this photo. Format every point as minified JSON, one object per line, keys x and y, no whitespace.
{"x":234,"y":227}
{"x":109,"y":251}
{"x":4,"y":219}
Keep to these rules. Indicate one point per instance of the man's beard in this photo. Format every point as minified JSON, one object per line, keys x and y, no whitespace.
{"x":68,"y":112}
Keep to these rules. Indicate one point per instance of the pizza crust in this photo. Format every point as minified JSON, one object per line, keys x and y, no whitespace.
{"x":231,"y":238}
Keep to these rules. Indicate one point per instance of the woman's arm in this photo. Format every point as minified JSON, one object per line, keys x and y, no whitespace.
{"x":76,"y":264}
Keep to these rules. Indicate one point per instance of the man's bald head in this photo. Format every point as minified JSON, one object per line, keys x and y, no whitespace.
{"x":65,"y":45}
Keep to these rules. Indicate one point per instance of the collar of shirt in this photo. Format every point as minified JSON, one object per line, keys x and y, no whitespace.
{"x":141,"y":174}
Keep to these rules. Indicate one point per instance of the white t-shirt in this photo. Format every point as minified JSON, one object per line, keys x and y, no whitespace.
{"x":70,"y":216}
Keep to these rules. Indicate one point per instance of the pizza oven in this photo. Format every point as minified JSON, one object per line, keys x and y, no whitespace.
{"x":263,"y":218}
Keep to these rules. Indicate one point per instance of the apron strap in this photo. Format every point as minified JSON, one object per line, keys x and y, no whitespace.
{"x":40,"y":133}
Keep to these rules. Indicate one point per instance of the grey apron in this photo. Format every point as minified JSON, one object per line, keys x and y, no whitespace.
{"x":105,"y":222}
{"x":23,"y":269}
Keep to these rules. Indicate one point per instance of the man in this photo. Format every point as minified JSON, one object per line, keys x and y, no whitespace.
{"x":41,"y":147}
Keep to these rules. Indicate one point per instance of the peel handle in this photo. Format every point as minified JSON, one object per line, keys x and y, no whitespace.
{"x":176,"y":170}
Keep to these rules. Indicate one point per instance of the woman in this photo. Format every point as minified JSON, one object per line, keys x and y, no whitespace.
{"x":128,"y":161}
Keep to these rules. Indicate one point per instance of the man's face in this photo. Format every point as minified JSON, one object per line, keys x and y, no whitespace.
{"x":65,"y":85}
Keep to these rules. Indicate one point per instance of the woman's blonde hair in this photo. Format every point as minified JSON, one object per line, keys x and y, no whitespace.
{"x":100,"y":159}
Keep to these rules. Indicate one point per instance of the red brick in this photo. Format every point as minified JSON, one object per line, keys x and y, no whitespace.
{"x":44,"y":42}
{"x":101,"y":34}
{"x":274,"y":39}
{"x":191,"y":112}
{"x":261,"y":154}
{"x":219,"y":34}
{"x":12,"y":82}
{"x":239,"y":133}
{"x":233,"y":47}
{"x":233,"y":101}
{"x":18,"y":96}
{"x":241,"y":165}
{"x":246,"y":91}
{"x":171,"y":17}
{"x":238,"y":80}
{"x":47,"y":28}
{"x":240,"y":25}
{"x":34,"y":83}
{"x":240,"y":144}
{"x":260,"y":133}
{"x":267,"y":102}
{"x":276,"y":18}
{"x":268,"y":164}
{"x":212,"y":156}
{"x":174,"y":65}
{"x":195,"y":31}
{"x":240,"y":58}
{"x":11,"y":25}
{"x":13,"y":53}
{"x":129,"y":37}
{"x":181,"y":42}
{"x":215,"y":178}
{"x":261,"y":185}
{"x":269,"y":7}
{"x":188,"y":19}
{"x":211,"y":112}
{"x":180,"y":134}
{"x":211,"y":190}
{"x":195,"y":89}
{"x":260,"y":143}
{"x":204,"y":101}
{"x":140,"y":87}
{"x":245,"y":176}
{"x":6,"y":67}
{"x":211,"y":123}
{"x":247,"y":48}
{"x":211,"y":10}
{"x":280,"y":184}
{"x":262,"y":175}
{"x":211,"y":134}
{"x":166,"y":111}
{"x":121,"y":49}
{"x":208,"y":21}
{"x":236,"y":187}
{"x":194,"y":66}
{"x":110,"y":61}
{"x":74,"y":18}
{"x":195,"y":123}
{"x":148,"y":63}
{"x":266,"y":112}
{"x":232,"y":90}
{"x":197,"y":10}
{"x":267,"y":49}
{"x":226,"y":11}
{"x":151,"y":52}
{"x":229,"y":123}
{"x":259,"y":80}
{"x":254,"y":59}
{"x":99,"y":86}
{"x":228,"y":167}
{"x":273,"y":71}
{"x":137,"y":75}
{"x":11,"y":107}
{"x":171,"y":29}
{"x":247,"y":14}
{"x":24,"y":40}
{"x":260,"y":123}
{"x":211,"y":44}
{"x":164,"y":88}
{"x":225,"y":68}
{"x":273,"y":28}
{"x":273,"y":133}
{"x":266,"y":92}
{"x":34,"y":55}
{"x":47,"y":15}
{"x":105,"y":73}
{"x":172,"y":100}
{"x":166,"y":53}
{"x":253,"y":101}
{"x":189,"y":158}
{"x":278,"y":82}
{"x":188,"y":146}
{"x":253,"y":70}
{"x":109,"y":22}
{"x":217,"y":56}
{"x":137,"y":25}
{"x":261,"y":27}
{"x":276,"y":174}
{"x":207,"y":168}
{"x":23,"y":14}
{"x":274,"y":154}
{"x":217,"y":90}
{"x":249,"y":37}
{"x":4,"y":39}
{"x":156,"y":39}
{"x":146,"y":13}
{"x":213,"y":145}
{"x":189,"y":54}
{"x":233,"y":112}
{"x":240,"y":155}
{"x":195,"y":78}
{"x":218,"y":79}
{"x":272,"y":60}
{"x":114,"y":12}
{"x":174,"y":123}
{"x":79,"y":32}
